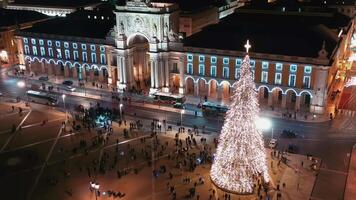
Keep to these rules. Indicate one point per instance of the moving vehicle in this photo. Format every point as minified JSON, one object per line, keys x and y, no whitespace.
{"x":67,"y":82}
{"x":69,"y":88}
{"x":43,"y":78}
{"x":41,"y":97}
{"x":212,"y":109}
{"x":168,"y":98}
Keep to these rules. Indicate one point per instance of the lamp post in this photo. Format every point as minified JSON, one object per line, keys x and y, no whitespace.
{"x":64,"y":103}
{"x":264,"y":124}
{"x":181,"y":117}
{"x":96,"y":187}
{"x":121,"y":105}
{"x":21,"y":84}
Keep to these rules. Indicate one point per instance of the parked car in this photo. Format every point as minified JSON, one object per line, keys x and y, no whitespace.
{"x":288,"y":134}
{"x":67,"y":82}
{"x":272,"y":143}
{"x":69,"y":88}
{"x":43,"y":78}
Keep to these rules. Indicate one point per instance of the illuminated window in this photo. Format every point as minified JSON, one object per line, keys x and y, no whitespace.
{"x":238,"y":63}
{"x":25,"y":40}
{"x":307,"y":69}
{"x":292,"y":79}
{"x":34,"y":50}
{"x":252,"y":63}
{"x":190,"y":57}
{"x":102,"y":49}
{"x":84,"y":46}
{"x":33,"y":41}
{"x":279,"y":66}
{"x":225,"y":61}
{"x":75,"y":55}
{"x":103,"y":59}
{"x":59,"y":53}
{"x":41,"y":42}
{"x":264,"y":77}
{"x":50,"y":52}
{"x":93,"y":57}
{"x":293,"y":68}
{"x":67,"y":54}
{"x":213,"y":71}
{"x":49,"y":43}
{"x":213,"y":60}
{"x":201,"y":70}
{"x":264,"y":65}
{"x":226,"y":72}
{"x":189,"y":68}
{"x":92,"y":47}
{"x":58,"y":44}
{"x":84,"y":57}
{"x":201,"y":58}
{"x":278,"y":79}
{"x":66,"y":45}
{"x":237,"y":73}
{"x":27,"y":49}
{"x":43,"y":51}
{"x":75,"y":46}
{"x":306,"y":81}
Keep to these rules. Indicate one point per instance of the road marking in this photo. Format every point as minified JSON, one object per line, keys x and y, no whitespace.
{"x":40,"y":123}
{"x":13,"y":135}
{"x":334,"y":171}
{"x":45,"y":162}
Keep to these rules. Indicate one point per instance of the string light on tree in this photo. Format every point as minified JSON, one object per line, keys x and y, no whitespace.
{"x":240,"y":155}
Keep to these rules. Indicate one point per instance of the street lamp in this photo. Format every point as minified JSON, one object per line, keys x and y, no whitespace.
{"x":181,"y":117}
{"x":96,"y":187}
{"x":264,"y":124}
{"x":64,"y":103}
{"x":21,"y":84}
{"x":121,"y":105}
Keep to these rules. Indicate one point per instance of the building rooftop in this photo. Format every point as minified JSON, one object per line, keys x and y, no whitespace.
{"x":57,"y":3}
{"x":194,"y":5}
{"x":88,"y":24}
{"x":277,"y":33}
{"x":14,"y":17}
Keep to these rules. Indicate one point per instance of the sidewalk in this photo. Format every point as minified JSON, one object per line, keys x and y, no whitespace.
{"x":350,"y":189}
{"x":104,"y":92}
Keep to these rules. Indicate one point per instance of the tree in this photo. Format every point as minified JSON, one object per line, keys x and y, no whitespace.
{"x":240,"y":156}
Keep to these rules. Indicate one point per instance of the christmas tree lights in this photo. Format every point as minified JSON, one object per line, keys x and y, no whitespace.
{"x":240,"y":156}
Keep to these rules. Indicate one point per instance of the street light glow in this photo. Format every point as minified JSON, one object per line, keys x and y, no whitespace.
{"x":63,"y":96}
{"x":121,"y":105}
{"x":263,"y":123}
{"x":21,"y":84}
{"x":182,"y":111}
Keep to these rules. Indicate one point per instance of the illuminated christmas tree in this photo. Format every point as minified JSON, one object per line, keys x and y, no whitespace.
{"x":240,"y":156}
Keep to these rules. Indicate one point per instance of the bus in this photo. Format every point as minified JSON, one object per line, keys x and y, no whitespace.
{"x":41,"y":97}
{"x":211,"y":109}
{"x":169,"y":98}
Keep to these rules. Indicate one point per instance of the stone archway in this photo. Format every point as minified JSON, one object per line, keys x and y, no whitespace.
{"x":189,"y":85}
{"x":175,"y":83}
{"x":139,"y":61}
{"x":202,"y":87}
{"x":213,"y":88}
{"x":291,"y":96}
{"x":225,"y":90}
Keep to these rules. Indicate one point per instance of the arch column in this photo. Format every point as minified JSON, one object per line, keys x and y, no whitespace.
{"x":75,"y":73}
{"x":196,"y":88}
{"x":220,"y":91}
{"x":43,"y":69}
{"x":284,"y":100}
{"x":66,"y":70}
{"x":101,"y":75}
{"x":297,"y":103}
{"x":181,"y":77}
{"x":49,"y":68}
{"x":270,"y":98}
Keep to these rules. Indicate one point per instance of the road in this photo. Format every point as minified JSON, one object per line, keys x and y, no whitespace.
{"x":331,"y":141}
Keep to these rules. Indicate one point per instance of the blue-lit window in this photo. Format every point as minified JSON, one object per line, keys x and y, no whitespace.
{"x":252,"y":63}
{"x":213,"y":60}
{"x":292,"y":78}
{"x":33,"y":41}
{"x":84,"y":57}
{"x":92,"y":47}
{"x":40,"y":42}
{"x":279,"y":66}
{"x":102,"y":49}
{"x":264,"y":65}
{"x":59,"y":53}
{"x":201,"y":58}
{"x":278,"y":79}
{"x":75,"y":46}
{"x":93,"y":57}
{"x":189,"y":68}
{"x":237,"y":73}
{"x":58,"y":44}
{"x":226,"y":72}
{"x":307,"y":69}
{"x":34,"y":50}
{"x":66,"y":45}
{"x":49,"y":43}
{"x":293,"y":68}
{"x":225,"y":61}
{"x":306,"y":82}
{"x":264,"y":77}
{"x":238,"y":63}
{"x":25,"y":40}
{"x":103,"y":59}
{"x":75,"y":55}
{"x":84,"y":47}
{"x":43,"y":51}
{"x":50,"y":52}
{"x":201,"y":70}
{"x":213,"y":71}
{"x":190,"y":58}
{"x":67,"y":54}
{"x":27,"y":49}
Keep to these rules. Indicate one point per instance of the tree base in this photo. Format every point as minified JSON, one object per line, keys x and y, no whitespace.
{"x":230,"y":191}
